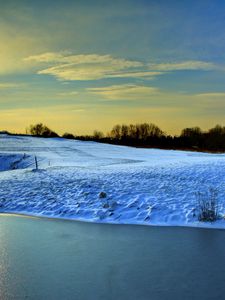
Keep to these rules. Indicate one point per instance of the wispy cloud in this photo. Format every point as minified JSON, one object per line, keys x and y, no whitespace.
{"x":94,"y":72}
{"x":184,"y":65}
{"x":88,"y":67}
{"x":211,"y":95}
{"x":125,"y":91}
{"x":8,"y":85}
{"x":68,"y":94}
{"x":158,"y":97}
{"x":68,"y":58}
{"x":69,"y":67}
{"x":48,"y":57}
{"x":140,"y":74}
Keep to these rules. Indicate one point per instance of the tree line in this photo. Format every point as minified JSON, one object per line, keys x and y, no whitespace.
{"x":148,"y":135}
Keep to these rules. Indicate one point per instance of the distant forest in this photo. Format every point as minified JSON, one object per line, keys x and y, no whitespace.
{"x":148,"y":136}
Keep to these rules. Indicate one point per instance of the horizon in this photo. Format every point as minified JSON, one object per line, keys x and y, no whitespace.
{"x":27,"y":130}
{"x":79,"y":66}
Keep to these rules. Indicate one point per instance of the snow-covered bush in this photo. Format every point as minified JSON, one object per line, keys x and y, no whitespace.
{"x":208,"y":206}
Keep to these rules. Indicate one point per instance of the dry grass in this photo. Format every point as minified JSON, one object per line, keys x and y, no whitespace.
{"x":208,"y":206}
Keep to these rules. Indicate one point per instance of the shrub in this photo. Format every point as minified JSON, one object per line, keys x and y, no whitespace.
{"x":208,"y":206}
{"x":41,"y":130}
{"x":67,"y":135}
{"x":97,"y":135}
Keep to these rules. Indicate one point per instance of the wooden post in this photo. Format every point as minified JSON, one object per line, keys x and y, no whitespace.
{"x":36,"y":162}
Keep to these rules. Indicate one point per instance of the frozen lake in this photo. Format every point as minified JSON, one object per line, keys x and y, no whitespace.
{"x":56,"y":259}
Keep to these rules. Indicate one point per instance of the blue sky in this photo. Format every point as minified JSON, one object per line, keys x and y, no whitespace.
{"x":84,"y":65}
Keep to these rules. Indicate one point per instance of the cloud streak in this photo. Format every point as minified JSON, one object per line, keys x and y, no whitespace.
{"x":211,"y":95}
{"x":9,"y":85}
{"x":65,"y":66}
{"x":67,"y":58}
{"x":126,"y":91}
{"x":184,"y":65}
{"x":69,"y":67}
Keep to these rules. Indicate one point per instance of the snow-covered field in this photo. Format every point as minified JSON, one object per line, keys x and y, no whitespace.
{"x":142,"y":186}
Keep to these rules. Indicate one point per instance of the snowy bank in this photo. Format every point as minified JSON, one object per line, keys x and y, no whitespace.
{"x":106,"y":183}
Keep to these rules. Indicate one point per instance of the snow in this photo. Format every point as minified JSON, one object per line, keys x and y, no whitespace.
{"x":142,"y":186}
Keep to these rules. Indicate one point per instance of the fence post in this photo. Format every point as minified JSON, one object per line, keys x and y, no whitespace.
{"x":36,"y":162}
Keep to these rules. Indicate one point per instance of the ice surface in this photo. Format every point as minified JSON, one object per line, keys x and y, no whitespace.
{"x":142,"y":186}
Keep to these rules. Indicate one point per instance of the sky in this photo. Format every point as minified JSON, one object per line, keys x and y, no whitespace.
{"x":78,"y":65}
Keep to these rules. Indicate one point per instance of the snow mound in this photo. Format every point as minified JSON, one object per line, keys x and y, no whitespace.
{"x":10,"y":161}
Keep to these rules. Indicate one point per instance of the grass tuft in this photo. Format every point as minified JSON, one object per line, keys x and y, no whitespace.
{"x":208,"y":206}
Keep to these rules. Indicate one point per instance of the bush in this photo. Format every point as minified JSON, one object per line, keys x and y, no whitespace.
{"x":67,"y":135}
{"x":208,"y":206}
{"x":42,"y":130}
{"x":97,"y":135}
